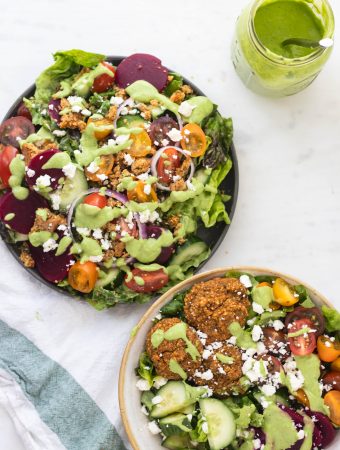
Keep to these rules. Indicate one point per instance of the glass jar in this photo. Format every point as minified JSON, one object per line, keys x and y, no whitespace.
{"x":268,"y":73}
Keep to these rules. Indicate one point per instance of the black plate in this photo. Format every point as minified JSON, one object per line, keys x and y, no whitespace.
{"x":212,"y":236}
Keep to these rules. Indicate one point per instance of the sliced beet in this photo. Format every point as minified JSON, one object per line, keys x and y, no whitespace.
{"x":54,"y":108}
{"x":153,"y":231}
{"x":24,"y":111}
{"x":15,"y":129}
{"x":24,"y":211}
{"x":325,"y":426}
{"x":159,"y":129}
{"x":298,"y":422}
{"x":51,"y":267}
{"x":36,"y":165}
{"x":141,"y":66}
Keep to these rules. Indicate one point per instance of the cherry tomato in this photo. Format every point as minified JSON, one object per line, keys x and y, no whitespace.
{"x":167,"y":164}
{"x":103,"y":128}
{"x":275,"y":341}
{"x":332,"y":400}
{"x":193,"y":140}
{"x":160,"y":128}
{"x":336,"y":365}
{"x":104,"y":81}
{"x":143,"y":281}
{"x":105,"y":168}
{"x":274,"y":364}
{"x":139,"y":195}
{"x":14,"y":129}
{"x":328,"y":350}
{"x":96,"y":199}
{"x":332,"y":378}
{"x":83,"y":276}
{"x":141,"y":145}
{"x":305,"y":343}
{"x":301,"y":397}
{"x":283,"y":293}
{"x":24,"y":112}
{"x":123,"y":227}
{"x":313,"y":314}
{"x":6,"y":155}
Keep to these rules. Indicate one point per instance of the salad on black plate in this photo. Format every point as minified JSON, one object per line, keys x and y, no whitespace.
{"x":106,"y":174}
{"x":242,"y":362}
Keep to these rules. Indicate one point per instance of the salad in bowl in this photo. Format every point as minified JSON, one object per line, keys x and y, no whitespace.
{"x":232,"y":359}
{"x":109,"y":172}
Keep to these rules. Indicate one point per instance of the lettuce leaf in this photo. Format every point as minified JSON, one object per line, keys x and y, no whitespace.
{"x":220,"y":131}
{"x":175,"y":307}
{"x":101,"y":298}
{"x":332,"y":319}
{"x":66,"y":64}
{"x":145,"y":369}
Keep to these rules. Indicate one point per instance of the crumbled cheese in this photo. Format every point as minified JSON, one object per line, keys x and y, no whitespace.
{"x":190,"y":186}
{"x":30,"y":173}
{"x":156,"y":400}
{"x":92,"y":167}
{"x":147,"y":189}
{"x":69,"y":170}
{"x":256,"y":333}
{"x":165,"y":142}
{"x":278,"y":325}
{"x":124,"y":111}
{"x":159,"y":382}
{"x":245,"y":280}
{"x":76,"y":108}
{"x":128,"y":159}
{"x":154,"y":428}
{"x":257,"y":444}
{"x":185,"y":108}
{"x":301,"y":434}
{"x":116,"y":101}
{"x":83,"y":231}
{"x":206,"y":353}
{"x":55,"y":199}
{"x":175,"y":135}
{"x":207,"y":375}
{"x":268,"y":390}
{"x":59,"y":133}
{"x":96,"y":259}
{"x":143,"y":176}
{"x":102,"y":176}
{"x":144,"y":410}
{"x":296,"y":380}
{"x":143,"y":385}
{"x":97,"y":233}
{"x":49,"y":245}
{"x":257,"y":308}
{"x":86,"y":112}
{"x":205,"y":427}
{"x":231,"y":340}
{"x":43,"y":181}
{"x":261,"y":348}
{"x":148,"y":216}
{"x":122,"y":139}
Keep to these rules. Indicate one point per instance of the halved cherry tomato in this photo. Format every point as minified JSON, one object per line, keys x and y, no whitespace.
{"x":313,"y":314}
{"x":283,"y":293}
{"x":96,"y":199}
{"x":305,"y":343}
{"x":103,"y":128}
{"x":14,"y":129}
{"x":24,"y":112}
{"x":122,"y":227}
{"x":105,"y":168}
{"x":328,"y":350}
{"x":332,"y":378}
{"x":332,"y":400}
{"x":275,"y":341}
{"x":144,"y":281}
{"x":139,"y":195}
{"x":301,"y":397}
{"x":104,"y":81}
{"x":336,"y":365}
{"x":6,"y":155}
{"x":194,"y":139}
{"x":167,"y":164}
{"x":264,"y":283}
{"x":83,"y":276}
{"x":141,"y":145}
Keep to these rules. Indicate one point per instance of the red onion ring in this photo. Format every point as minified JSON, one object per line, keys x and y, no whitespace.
{"x":180,"y":121}
{"x":128,"y":102}
{"x":141,"y":227}
{"x":156,"y":157}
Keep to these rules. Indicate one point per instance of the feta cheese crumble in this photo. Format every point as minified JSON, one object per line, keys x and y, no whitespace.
{"x":245,"y":280}
{"x":175,"y":135}
{"x":49,"y":245}
{"x":185,"y":108}
{"x":69,"y":170}
{"x":154,"y":428}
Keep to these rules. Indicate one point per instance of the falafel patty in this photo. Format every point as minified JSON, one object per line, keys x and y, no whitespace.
{"x":211,"y":306}
{"x":176,"y":350}
{"x":221,"y":369}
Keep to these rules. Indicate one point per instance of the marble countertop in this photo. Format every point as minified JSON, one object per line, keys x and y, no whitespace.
{"x":288,"y":212}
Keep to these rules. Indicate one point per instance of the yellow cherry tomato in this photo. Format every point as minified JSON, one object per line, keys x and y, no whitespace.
{"x":105,"y":168}
{"x":83,"y":276}
{"x":139,"y":195}
{"x":193,"y":140}
{"x":283,"y":293}
{"x":301,"y":397}
{"x":332,"y":400}
{"x":336,"y":365}
{"x":328,"y":350}
{"x":103,"y":127}
{"x":141,"y":145}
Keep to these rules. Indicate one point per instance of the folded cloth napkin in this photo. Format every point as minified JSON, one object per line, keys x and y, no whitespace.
{"x":59,"y":364}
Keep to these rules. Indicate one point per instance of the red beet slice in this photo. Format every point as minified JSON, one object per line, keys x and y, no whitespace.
{"x":36,"y":165}
{"x":141,"y":66}
{"x":153,"y":231}
{"x":14,"y":129}
{"x":324,"y":425}
{"x":24,"y":211}
{"x":54,"y":109}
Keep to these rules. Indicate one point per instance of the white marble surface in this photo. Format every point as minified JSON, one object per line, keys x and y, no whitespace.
{"x":288,"y":213}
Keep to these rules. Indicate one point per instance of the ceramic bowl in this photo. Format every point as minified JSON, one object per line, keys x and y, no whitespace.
{"x":135,"y":422}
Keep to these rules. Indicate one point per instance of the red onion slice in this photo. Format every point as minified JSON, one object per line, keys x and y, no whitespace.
{"x":156,"y":157}
{"x":128,"y":102}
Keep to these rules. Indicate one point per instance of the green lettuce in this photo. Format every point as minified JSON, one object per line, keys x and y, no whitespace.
{"x":101,"y":298}
{"x":175,"y":307}
{"x":220,"y":131}
{"x":332,"y":318}
{"x":197,"y":434}
{"x":145,"y":369}
{"x":175,"y":84}
{"x":66,"y":64}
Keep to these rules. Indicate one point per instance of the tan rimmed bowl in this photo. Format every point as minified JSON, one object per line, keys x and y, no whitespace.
{"x":135,"y":422}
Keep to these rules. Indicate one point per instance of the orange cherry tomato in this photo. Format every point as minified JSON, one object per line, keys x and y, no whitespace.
{"x":139,"y":195}
{"x":301,"y":397}
{"x":103,"y":127}
{"x":264,"y":283}
{"x":336,"y":365}
{"x":141,"y":145}
{"x":96,"y":199}
{"x":194,"y":139}
{"x":328,"y":350}
{"x":105,"y":168}
{"x":83,"y":276}
{"x":104,"y":81}
{"x":332,"y":400}
{"x":283,"y":293}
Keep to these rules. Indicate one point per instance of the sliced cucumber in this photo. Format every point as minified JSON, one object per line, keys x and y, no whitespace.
{"x":188,"y":409}
{"x":130,"y":121}
{"x":175,"y":395}
{"x":72,"y":188}
{"x":175,"y":424}
{"x":177,"y":442}
{"x":146,"y":399}
{"x":108,"y":278}
{"x":221,"y":423}
{"x":187,"y":253}
{"x":202,"y":175}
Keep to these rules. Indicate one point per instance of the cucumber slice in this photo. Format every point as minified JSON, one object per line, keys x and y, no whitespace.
{"x":193,"y":248}
{"x":221,"y":423}
{"x":175,"y":424}
{"x":146,"y":399}
{"x":72,"y":189}
{"x":175,"y":395}
{"x":188,"y":409}
{"x":130,"y":121}
{"x":109,"y":277}
{"x":177,"y":442}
